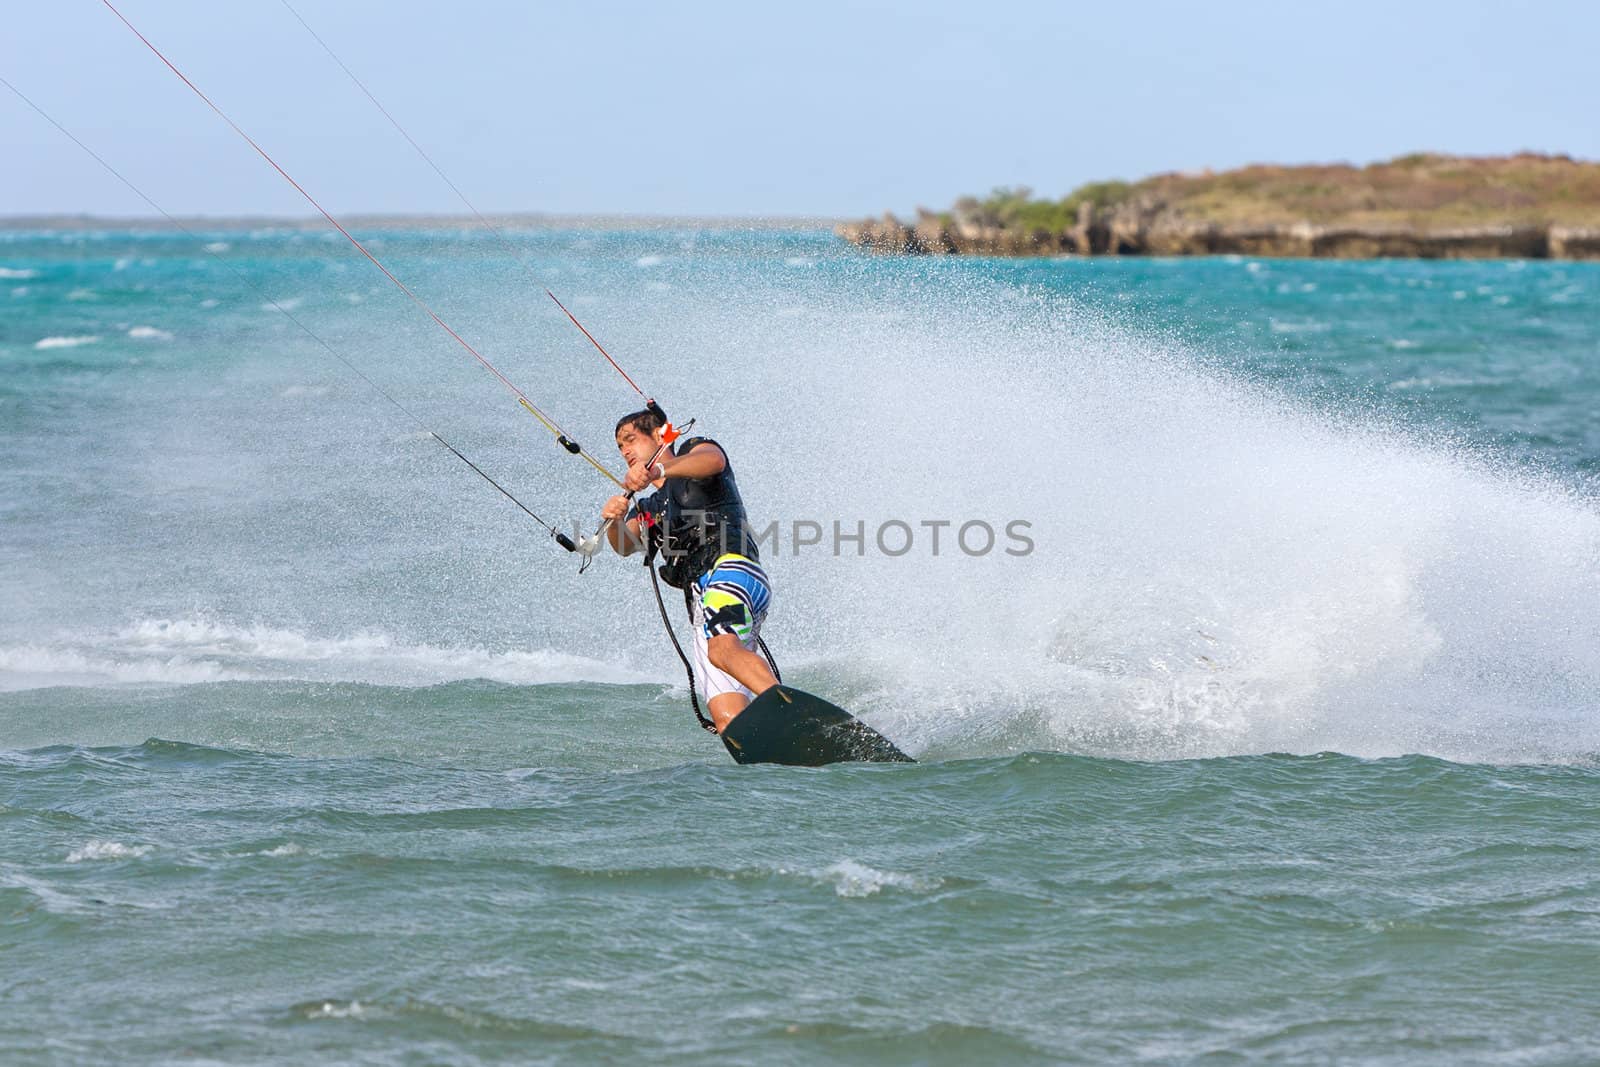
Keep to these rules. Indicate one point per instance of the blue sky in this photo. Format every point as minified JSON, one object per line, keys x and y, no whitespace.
{"x":751,"y":109}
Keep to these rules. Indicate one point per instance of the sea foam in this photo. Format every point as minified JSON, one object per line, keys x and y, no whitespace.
{"x":195,"y":650}
{"x":851,"y":879}
{"x":66,"y":341}
{"x":107,"y":850}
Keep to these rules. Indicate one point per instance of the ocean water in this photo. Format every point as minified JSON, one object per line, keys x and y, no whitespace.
{"x":1273,"y":739}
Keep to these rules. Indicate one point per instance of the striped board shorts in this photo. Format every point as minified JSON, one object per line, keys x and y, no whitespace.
{"x":732,"y":598}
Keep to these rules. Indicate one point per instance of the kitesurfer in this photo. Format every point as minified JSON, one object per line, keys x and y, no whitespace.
{"x":696,"y":522}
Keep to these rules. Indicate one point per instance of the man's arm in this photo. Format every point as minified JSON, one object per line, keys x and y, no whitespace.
{"x":626,"y":537}
{"x":704,"y":460}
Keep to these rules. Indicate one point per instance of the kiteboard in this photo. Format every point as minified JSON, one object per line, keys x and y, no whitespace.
{"x":788,"y":726}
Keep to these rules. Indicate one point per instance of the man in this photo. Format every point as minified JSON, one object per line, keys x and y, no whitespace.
{"x":696,"y":520}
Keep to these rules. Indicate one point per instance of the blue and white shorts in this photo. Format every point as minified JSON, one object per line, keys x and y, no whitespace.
{"x":731,"y":598}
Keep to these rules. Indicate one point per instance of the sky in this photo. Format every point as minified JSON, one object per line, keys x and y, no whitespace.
{"x":822,"y":108}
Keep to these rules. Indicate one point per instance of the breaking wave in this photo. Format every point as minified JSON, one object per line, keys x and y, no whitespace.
{"x":47,"y":343}
{"x":193,"y":650}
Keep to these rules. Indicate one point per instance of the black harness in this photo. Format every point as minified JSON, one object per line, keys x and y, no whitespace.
{"x":692,"y":521}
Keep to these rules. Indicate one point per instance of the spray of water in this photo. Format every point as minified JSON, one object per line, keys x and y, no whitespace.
{"x":1216,"y":568}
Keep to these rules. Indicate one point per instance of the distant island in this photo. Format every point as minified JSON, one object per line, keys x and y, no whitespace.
{"x":1424,"y":206}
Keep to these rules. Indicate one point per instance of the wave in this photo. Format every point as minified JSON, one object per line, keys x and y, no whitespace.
{"x":16,"y":274}
{"x":38,"y":893}
{"x":454,"y":1018}
{"x":846,"y":878}
{"x":149,"y":333}
{"x":190,"y":651}
{"x":107,"y":850}
{"x":851,"y":879}
{"x":65,"y":342}
{"x":36,"y":666}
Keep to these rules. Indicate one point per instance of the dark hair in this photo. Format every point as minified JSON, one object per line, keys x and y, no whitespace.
{"x":646,"y":422}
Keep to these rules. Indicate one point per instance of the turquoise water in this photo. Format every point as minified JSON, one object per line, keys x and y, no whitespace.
{"x":1278,"y":746}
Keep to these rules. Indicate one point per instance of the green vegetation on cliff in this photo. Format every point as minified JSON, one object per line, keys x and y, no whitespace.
{"x":1008,"y":208}
{"x":1422,"y":190}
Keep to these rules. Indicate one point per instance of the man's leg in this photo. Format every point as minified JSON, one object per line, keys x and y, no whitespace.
{"x":730,"y":657}
{"x":725,"y":708}
{"x":727,"y":625}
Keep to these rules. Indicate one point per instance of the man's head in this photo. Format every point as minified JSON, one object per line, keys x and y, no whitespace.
{"x":639,"y":435}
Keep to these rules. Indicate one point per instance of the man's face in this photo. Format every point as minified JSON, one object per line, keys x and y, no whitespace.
{"x":636,"y":447}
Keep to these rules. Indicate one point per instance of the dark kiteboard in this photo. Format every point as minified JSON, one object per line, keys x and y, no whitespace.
{"x":785,"y":725}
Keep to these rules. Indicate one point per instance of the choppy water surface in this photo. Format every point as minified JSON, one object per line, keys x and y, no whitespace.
{"x":1279,"y":745}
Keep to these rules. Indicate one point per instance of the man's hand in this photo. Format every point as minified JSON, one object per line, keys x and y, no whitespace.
{"x":639,"y":476}
{"x":616,"y":509}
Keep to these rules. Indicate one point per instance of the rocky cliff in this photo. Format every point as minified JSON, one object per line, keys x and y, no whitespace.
{"x":1424,"y":206}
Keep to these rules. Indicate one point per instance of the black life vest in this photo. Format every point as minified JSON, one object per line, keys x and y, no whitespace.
{"x":692,"y":521}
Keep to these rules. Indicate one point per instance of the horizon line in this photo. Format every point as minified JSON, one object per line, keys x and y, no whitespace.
{"x":62,"y":220}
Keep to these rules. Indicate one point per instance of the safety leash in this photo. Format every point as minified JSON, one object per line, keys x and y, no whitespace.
{"x":688,"y":668}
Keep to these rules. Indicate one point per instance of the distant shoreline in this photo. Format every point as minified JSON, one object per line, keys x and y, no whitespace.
{"x":1420,"y":206}
{"x":530,"y":221}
